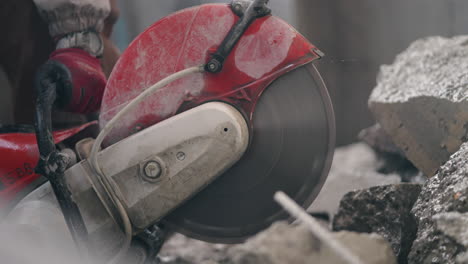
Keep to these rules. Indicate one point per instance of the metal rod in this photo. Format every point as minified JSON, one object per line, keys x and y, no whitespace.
{"x":320,"y":232}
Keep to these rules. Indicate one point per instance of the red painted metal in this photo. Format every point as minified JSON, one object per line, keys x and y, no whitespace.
{"x":269,"y":48}
{"x":18,"y":158}
{"x":87,"y":80}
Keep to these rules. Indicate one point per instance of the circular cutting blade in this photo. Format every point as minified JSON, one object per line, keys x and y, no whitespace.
{"x":291,"y":151}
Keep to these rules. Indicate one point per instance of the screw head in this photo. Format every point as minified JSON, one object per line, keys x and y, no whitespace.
{"x":152,"y":169}
{"x":180,"y":156}
{"x":212,"y":66}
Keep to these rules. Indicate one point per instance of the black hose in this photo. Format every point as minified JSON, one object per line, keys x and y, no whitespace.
{"x":52,"y":164}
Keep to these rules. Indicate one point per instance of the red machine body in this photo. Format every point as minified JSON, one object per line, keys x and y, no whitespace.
{"x":18,"y":158}
{"x":268,"y":49}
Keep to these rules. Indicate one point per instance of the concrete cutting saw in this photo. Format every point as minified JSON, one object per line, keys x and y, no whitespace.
{"x":206,"y":115}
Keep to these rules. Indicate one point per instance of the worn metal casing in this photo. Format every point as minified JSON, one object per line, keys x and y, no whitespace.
{"x":192,"y":148}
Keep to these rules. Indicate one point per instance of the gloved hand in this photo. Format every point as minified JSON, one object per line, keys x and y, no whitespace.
{"x":79,"y":80}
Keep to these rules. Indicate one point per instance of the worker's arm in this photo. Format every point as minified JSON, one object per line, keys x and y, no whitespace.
{"x":75,"y":25}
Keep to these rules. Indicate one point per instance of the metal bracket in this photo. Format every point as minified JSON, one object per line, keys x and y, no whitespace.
{"x":248,"y":12}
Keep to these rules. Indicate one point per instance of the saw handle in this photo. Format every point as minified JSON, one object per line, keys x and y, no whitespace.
{"x":248,"y":14}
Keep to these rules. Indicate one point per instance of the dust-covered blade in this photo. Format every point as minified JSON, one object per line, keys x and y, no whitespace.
{"x":291,"y":150}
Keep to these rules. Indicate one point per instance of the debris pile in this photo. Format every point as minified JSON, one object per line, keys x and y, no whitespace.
{"x":390,"y":212}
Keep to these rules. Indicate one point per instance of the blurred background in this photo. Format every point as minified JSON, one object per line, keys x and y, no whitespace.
{"x":357,"y":37}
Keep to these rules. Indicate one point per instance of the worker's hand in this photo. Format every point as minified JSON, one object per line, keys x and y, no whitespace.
{"x":79,"y":80}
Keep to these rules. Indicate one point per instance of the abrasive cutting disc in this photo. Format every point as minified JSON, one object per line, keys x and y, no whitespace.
{"x":291,"y":151}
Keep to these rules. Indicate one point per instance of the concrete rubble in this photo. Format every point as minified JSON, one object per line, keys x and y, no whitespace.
{"x":283,"y":243}
{"x":438,"y":213}
{"x":421,"y":106}
{"x":421,"y":100}
{"x":385,"y":210}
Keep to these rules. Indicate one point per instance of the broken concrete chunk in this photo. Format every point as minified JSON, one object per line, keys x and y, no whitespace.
{"x":283,"y":243}
{"x":444,"y":193}
{"x":421,"y":100}
{"x":385,"y":210}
